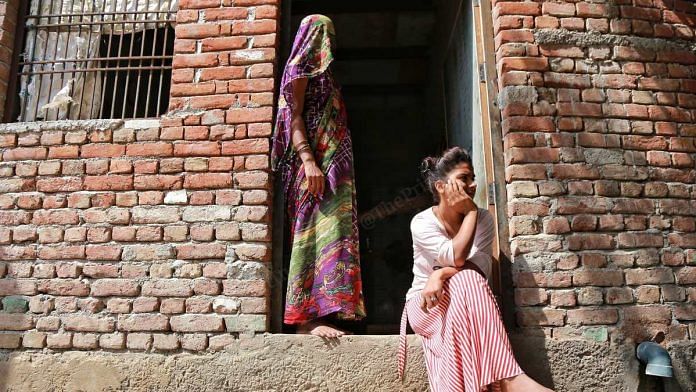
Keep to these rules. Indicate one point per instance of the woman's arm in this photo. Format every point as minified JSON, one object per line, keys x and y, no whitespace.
{"x":432,"y":292}
{"x":459,"y":201}
{"x":315,"y":177}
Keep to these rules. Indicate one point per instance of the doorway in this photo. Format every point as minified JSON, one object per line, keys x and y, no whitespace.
{"x":407,"y":71}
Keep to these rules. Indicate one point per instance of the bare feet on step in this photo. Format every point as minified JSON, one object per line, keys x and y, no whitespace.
{"x":321,"y":329}
{"x":522,"y":383}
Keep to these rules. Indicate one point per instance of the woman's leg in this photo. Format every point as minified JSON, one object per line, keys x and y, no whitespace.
{"x":486,"y":354}
{"x":477,"y":332}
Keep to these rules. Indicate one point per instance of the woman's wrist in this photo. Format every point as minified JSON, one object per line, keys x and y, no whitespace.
{"x":438,"y":273}
{"x":307,"y":157}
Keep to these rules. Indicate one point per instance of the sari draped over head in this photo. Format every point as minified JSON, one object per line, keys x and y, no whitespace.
{"x":324,"y":275}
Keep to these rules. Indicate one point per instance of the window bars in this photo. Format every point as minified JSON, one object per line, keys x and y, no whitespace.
{"x":88,"y":59}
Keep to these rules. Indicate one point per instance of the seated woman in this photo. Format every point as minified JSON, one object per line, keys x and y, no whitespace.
{"x":450,"y":304}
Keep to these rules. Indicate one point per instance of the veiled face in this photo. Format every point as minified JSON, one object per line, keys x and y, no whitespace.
{"x":319,"y":26}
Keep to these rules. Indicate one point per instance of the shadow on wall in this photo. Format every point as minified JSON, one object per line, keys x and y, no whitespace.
{"x":13,"y":308}
{"x":532,"y":355}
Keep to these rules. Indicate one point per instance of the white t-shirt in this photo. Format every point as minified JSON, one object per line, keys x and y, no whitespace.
{"x":433,"y":247}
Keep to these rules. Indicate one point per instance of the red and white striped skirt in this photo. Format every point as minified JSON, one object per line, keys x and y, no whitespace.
{"x":465,"y":344}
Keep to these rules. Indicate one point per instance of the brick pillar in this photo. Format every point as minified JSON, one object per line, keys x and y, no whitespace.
{"x":597,"y":103}
{"x":8,"y":24}
{"x":221,"y":110}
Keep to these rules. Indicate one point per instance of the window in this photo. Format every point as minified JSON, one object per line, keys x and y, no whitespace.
{"x":88,"y":59}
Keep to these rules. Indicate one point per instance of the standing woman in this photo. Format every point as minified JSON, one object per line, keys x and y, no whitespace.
{"x":312,"y":150}
{"x":450,"y":304}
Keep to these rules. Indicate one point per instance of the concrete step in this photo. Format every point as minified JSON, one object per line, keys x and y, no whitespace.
{"x":277,"y":362}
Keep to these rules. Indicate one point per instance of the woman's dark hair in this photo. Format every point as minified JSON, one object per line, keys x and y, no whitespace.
{"x":437,"y":168}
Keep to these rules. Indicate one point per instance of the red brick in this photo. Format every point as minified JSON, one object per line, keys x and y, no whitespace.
{"x":564,"y":80}
{"x":590,"y":241}
{"x":254,"y":27}
{"x":226,"y":13}
{"x":167,"y":288}
{"x":525,"y":172}
{"x":250,"y":85}
{"x":592,"y":316}
{"x":640,"y":240}
{"x":190,"y":89}
{"x":201,"y":251}
{"x":252,"y":179}
{"x":24,"y":153}
{"x":65,"y":287}
{"x":592,"y":10}
{"x":160,"y":181}
{"x":197,"y":149}
{"x":530,"y":297}
{"x":598,"y":277}
{"x":155,"y":149}
{"x":558,"y":9}
{"x":198,"y":30}
{"x":15,"y":322}
{"x":143,"y":322}
{"x":574,"y":171}
{"x":523,"y":64}
{"x":650,"y":14}
{"x":686,"y":275}
{"x":528,"y":124}
{"x":541,"y":279}
{"x":579,"y":109}
{"x":108,"y":182}
{"x":636,"y":142}
{"x":197,"y":323}
{"x":514,"y":8}
{"x":624,"y":53}
{"x":172,"y":306}
{"x":207,"y":180}
{"x":102,"y":150}
{"x":219,"y":101}
{"x":103,"y":252}
{"x":88,"y":323}
{"x":537,"y":317}
{"x":248,"y":115}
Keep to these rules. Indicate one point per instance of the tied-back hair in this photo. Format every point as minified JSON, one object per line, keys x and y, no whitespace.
{"x":437,"y":168}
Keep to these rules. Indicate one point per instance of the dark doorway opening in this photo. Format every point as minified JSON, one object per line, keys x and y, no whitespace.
{"x":406,"y":73}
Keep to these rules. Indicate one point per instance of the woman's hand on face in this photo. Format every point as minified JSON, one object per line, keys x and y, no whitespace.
{"x":315,"y":178}
{"x":458,"y":198}
{"x":432,"y":293}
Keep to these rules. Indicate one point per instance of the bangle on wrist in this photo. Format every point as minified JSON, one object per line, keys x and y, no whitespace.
{"x":301,"y":145}
{"x":303,"y":149}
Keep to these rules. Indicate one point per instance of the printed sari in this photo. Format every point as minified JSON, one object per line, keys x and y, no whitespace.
{"x":324,"y":275}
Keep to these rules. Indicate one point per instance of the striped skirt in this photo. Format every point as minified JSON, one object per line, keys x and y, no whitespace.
{"x":465,"y":344}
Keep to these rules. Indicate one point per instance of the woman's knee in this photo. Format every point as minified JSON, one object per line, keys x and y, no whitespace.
{"x":466,"y":280}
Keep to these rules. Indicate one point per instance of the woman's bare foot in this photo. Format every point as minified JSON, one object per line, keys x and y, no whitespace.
{"x":321,"y":329}
{"x":522,"y":383}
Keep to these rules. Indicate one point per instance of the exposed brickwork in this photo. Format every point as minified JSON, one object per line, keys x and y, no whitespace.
{"x":598,"y":104}
{"x":155,"y":238}
{"x":158,"y":238}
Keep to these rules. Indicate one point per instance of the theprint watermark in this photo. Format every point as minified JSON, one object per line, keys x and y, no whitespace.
{"x":387,"y":208}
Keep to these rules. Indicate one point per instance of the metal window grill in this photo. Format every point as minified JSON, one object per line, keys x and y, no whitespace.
{"x":87,"y":59}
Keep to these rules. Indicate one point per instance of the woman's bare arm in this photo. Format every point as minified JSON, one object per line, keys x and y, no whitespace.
{"x":464,"y":240}
{"x":461,"y":202}
{"x":313,"y":173}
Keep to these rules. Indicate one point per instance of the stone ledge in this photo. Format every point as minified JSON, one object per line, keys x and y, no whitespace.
{"x":276,"y":362}
{"x":61,"y":125}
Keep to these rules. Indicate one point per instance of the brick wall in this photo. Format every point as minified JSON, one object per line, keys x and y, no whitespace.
{"x":598,"y":102}
{"x":146,"y":236}
{"x":8,"y":22}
